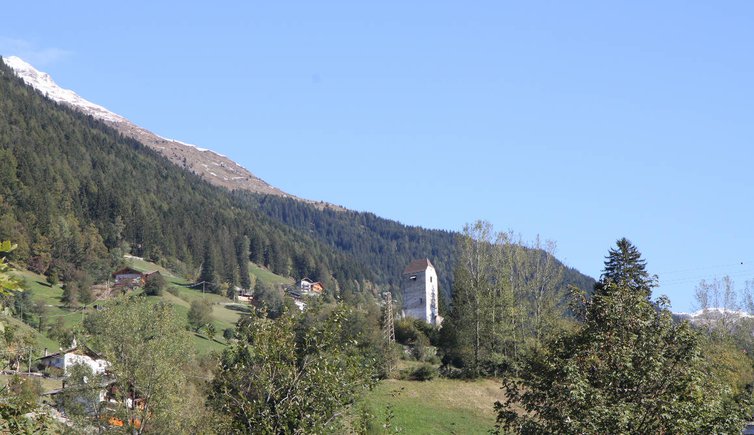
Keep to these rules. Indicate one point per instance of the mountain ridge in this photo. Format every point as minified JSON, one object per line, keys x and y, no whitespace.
{"x":210,"y":165}
{"x":75,"y":188}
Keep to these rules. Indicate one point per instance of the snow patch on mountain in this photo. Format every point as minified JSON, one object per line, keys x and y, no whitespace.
{"x":204,"y":150}
{"x":226,"y":172}
{"x":43,"y":83}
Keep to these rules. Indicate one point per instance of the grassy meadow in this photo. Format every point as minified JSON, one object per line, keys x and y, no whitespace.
{"x":447,"y":406}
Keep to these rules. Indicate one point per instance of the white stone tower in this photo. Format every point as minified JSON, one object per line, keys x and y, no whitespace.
{"x":419,"y":285}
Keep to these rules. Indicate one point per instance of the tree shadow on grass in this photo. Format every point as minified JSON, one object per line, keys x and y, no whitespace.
{"x":204,"y":337}
{"x":240,"y":308}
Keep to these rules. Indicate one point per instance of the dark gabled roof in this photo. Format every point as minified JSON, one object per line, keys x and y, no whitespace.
{"x":127,"y":271}
{"x":418,"y":266}
{"x":82,"y":348}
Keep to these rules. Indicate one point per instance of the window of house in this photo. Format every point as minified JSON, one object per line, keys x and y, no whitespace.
{"x":421,"y":301}
{"x":430,"y":279}
{"x":413,"y":277}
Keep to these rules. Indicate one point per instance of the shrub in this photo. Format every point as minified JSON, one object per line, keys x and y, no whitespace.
{"x":228,"y":334}
{"x":155,"y":284}
{"x":24,"y":393}
{"x":425,"y":372}
{"x":406,"y":332}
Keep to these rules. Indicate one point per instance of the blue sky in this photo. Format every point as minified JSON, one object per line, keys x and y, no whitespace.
{"x":582,"y":122}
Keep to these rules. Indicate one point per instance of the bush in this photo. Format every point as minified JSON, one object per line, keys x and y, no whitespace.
{"x":24,"y":393}
{"x":425,"y":372}
{"x":228,"y":334}
{"x":429,"y":331}
{"x":155,"y":284}
{"x":406,"y":332}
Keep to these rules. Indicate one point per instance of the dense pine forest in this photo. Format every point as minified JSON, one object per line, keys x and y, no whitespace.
{"x":75,"y":195}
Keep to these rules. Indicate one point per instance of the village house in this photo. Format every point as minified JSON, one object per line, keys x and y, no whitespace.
{"x":77,"y":354}
{"x":307,"y":286}
{"x":130,"y":277}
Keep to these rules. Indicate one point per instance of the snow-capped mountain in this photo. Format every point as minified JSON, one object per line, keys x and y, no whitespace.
{"x":710,"y":315}
{"x":213,"y":167}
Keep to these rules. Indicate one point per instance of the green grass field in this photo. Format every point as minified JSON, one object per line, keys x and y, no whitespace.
{"x":225,"y":313}
{"x":47,"y":383}
{"x":268,"y":278}
{"x":444,"y":406}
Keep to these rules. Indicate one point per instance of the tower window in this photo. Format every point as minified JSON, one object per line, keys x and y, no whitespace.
{"x":421,"y":301}
{"x":430,"y":279}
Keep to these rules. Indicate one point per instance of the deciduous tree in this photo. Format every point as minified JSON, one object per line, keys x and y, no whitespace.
{"x":283,"y":376}
{"x":147,"y":349}
{"x":200,"y":314}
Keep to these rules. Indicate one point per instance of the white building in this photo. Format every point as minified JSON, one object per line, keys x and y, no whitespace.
{"x":66,"y":359}
{"x":420,"y":287}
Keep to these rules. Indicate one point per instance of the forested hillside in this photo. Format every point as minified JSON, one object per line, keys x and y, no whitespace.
{"x":76,"y":195}
{"x":73,"y":190}
{"x":388,"y":245}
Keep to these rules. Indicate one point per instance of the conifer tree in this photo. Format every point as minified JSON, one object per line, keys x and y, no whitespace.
{"x":242,"y":252}
{"x":624,"y":266}
{"x":208,"y":273}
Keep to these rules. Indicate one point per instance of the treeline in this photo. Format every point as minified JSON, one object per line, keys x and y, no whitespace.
{"x":508,"y":295}
{"x":388,"y":245}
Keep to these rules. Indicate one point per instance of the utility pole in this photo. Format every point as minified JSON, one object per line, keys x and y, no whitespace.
{"x":388,"y":328}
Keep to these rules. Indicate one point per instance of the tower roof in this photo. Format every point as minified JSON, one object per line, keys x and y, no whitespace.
{"x":418,"y":266}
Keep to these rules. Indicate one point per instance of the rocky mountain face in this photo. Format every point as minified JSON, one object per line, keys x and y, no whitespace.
{"x":211,"y":166}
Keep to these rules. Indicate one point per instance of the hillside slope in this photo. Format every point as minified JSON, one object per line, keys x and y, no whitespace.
{"x":209,"y":165}
{"x":76,"y":194}
{"x":73,"y":190}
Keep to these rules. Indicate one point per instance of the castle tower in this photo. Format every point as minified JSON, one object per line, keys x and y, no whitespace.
{"x":419,"y":285}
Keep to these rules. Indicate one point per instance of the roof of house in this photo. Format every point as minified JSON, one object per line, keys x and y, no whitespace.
{"x":127,"y":271}
{"x":80,"y":348}
{"x":307,"y":280}
{"x":418,"y":266}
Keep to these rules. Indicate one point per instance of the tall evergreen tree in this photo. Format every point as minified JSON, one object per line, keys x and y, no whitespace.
{"x":242,"y":254}
{"x":624,"y":266}
{"x":208,"y":273}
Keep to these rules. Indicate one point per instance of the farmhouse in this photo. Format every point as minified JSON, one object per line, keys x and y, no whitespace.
{"x":309,"y":286}
{"x":129,"y":277}
{"x":65,"y":359}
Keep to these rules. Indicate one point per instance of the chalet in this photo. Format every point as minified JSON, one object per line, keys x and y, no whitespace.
{"x":65,"y":359}
{"x":308,"y":286}
{"x":129,"y":277}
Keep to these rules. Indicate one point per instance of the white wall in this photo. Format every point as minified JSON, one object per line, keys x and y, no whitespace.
{"x":98,"y":366}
